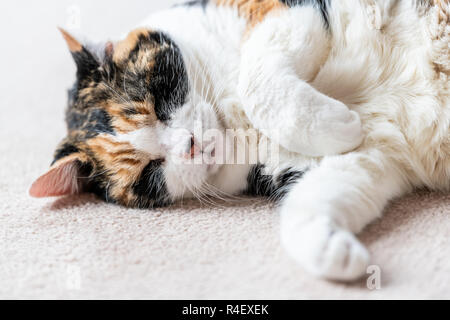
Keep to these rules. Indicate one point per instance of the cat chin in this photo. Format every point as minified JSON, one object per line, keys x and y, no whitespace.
{"x":189,"y":180}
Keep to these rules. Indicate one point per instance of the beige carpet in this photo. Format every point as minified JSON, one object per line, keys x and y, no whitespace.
{"x":78,"y":247}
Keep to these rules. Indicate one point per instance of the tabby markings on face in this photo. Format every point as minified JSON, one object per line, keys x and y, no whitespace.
{"x":136,"y":83}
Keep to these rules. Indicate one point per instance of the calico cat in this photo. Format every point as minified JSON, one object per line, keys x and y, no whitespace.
{"x":365,"y":79}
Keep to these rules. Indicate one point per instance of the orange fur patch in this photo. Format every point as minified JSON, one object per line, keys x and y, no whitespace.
{"x":124,"y":163}
{"x":144,"y":115}
{"x":123,"y":48}
{"x":254,"y":11}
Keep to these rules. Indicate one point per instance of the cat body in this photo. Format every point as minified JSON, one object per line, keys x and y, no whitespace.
{"x":366,"y":78}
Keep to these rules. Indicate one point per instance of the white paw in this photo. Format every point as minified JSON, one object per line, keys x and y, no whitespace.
{"x":336,"y":130}
{"x":332,"y":128}
{"x":326,"y":250}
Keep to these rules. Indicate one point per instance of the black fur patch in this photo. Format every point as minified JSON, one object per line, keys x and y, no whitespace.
{"x":322,"y":5}
{"x":64,"y":150}
{"x":166,"y":85}
{"x":99,"y":122}
{"x":86,"y":63}
{"x":151,"y":187}
{"x":95,"y":182}
{"x":169,"y":83}
{"x":286,"y":179}
{"x":262,"y":185}
{"x":91,"y":121}
{"x":193,"y":3}
{"x":135,"y":85}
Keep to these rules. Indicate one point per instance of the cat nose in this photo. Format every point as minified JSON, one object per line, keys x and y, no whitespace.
{"x":192,"y":149}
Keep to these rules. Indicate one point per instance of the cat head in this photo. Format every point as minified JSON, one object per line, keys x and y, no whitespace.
{"x":132,"y":120}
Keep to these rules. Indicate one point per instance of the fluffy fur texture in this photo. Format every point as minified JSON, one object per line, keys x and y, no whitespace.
{"x":367,"y":78}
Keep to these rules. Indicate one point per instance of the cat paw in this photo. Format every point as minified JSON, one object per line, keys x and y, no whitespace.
{"x":327,"y":251}
{"x":331,"y":129}
{"x":336,"y":130}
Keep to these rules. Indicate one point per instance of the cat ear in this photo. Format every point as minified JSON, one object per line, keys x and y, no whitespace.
{"x":63,"y":178}
{"x":73,"y":44}
{"x":85,"y":60}
{"x":88,"y":57}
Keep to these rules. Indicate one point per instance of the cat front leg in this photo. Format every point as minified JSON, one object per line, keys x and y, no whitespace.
{"x":279,"y":57}
{"x":330,"y":204}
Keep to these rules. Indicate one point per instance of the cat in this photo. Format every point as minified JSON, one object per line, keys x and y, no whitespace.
{"x":353,"y":94}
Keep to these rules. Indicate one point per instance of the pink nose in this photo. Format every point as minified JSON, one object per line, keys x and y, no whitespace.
{"x":193,"y":150}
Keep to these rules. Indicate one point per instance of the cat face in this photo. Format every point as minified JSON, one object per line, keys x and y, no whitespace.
{"x":135,"y":126}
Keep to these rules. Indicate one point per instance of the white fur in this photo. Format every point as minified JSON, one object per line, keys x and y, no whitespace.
{"x":282,"y":53}
{"x":385,"y":62}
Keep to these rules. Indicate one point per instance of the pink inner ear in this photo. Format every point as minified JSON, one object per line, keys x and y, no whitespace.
{"x":59,"y":181}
